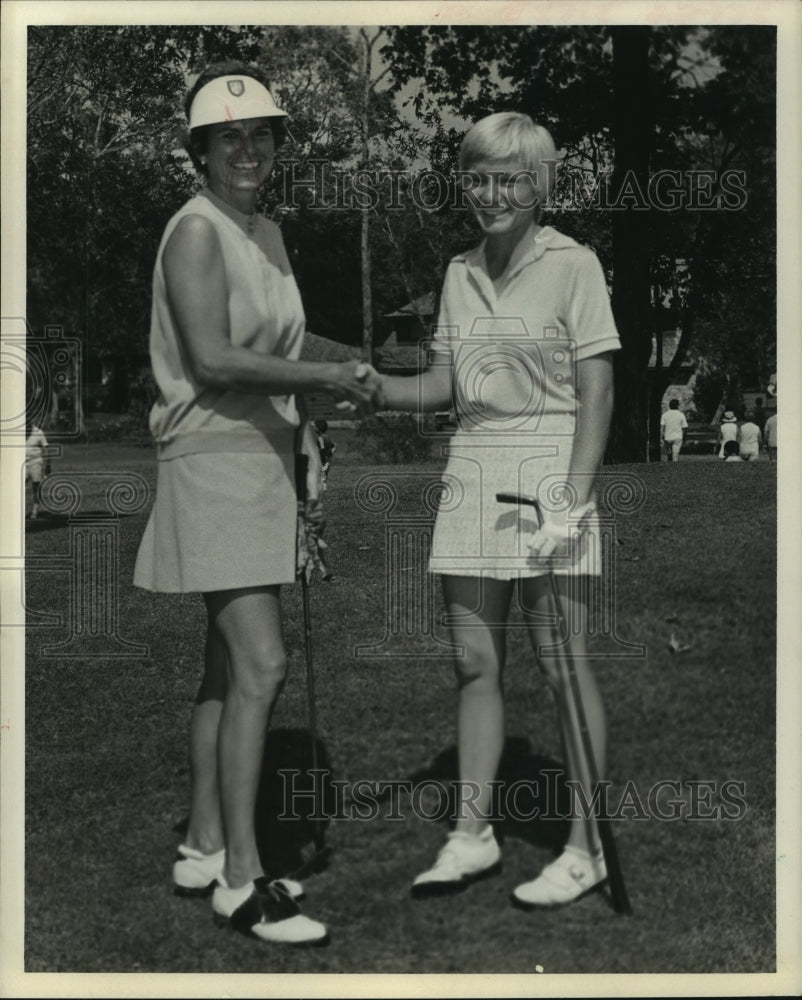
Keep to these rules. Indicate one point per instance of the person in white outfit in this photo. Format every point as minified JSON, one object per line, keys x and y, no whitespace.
{"x":728,"y":431}
{"x":525,"y":329}
{"x":37,"y":466}
{"x":673,"y":426}
{"x":226,"y":332}
{"x":771,"y":437}
{"x":749,"y":439}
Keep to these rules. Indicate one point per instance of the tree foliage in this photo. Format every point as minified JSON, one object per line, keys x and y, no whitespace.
{"x":708,"y":95}
{"x":104,"y":174}
{"x":106,"y":171}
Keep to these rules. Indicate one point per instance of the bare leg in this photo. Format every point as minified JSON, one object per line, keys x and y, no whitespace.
{"x":249,"y":623}
{"x":537,"y":596}
{"x":480,"y":714}
{"x":205,"y":832}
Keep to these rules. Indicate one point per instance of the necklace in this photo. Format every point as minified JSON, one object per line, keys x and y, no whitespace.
{"x":247,"y":221}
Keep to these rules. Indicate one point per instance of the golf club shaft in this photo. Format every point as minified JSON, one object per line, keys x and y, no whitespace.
{"x":614,"y":874}
{"x":319,"y":834}
{"x":301,"y":469}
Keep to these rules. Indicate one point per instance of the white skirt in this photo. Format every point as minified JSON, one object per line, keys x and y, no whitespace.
{"x":220,"y":521}
{"x":475,"y":535}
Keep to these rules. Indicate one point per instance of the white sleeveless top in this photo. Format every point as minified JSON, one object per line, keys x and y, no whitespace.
{"x":265,"y":314}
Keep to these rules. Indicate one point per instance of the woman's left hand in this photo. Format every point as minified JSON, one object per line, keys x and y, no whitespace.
{"x":368,"y":374}
{"x":556,"y":538}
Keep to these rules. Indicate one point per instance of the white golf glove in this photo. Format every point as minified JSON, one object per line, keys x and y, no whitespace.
{"x":556,"y":537}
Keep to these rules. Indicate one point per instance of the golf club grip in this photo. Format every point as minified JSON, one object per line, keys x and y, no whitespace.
{"x":522,"y":500}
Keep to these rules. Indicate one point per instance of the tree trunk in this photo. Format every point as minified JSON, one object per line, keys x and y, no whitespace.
{"x":367,"y":301}
{"x":631,"y":296}
{"x":658,"y":383}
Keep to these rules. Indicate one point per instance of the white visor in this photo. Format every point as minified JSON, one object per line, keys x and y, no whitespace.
{"x":232,"y":98}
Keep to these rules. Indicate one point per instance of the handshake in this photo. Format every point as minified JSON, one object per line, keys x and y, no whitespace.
{"x":358,"y":388}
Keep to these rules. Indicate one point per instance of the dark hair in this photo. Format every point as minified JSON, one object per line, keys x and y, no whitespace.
{"x":196,"y":140}
{"x":321,"y":426}
{"x":730,"y":448}
{"x":674,"y":404}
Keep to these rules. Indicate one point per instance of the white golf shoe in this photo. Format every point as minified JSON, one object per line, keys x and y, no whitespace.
{"x":574,"y":874}
{"x":265,"y":910}
{"x":196,"y":874}
{"x":462,"y":860}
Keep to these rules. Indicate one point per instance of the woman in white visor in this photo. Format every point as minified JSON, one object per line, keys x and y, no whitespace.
{"x":226,"y":330}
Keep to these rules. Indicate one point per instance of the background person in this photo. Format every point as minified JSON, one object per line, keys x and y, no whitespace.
{"x":728,"y":431}
{"x":771,"y":437}
{"x":759,"y":413}
{"x":326,"y":448}
{"x":36,"y":464}
{"x":749,"y":439}
{"x":731,"y":452}
{"x":673,"y":426}
{"x":226,"y":331}
{"x":481,"y":548}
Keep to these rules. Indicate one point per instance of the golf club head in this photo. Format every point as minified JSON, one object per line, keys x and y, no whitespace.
{"x":521,"y":500}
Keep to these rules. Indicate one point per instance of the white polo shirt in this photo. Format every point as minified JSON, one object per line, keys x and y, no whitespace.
{"x":515,"y":350}
{"x":673,"y":423}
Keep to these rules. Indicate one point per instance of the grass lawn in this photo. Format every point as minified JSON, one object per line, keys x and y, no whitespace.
{"x":107,"y":773}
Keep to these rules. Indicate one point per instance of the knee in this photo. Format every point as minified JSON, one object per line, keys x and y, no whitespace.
{"x":476,"y":669}
{"x":258,"y":675}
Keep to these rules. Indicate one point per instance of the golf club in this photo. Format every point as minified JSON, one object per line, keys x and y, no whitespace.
{"x":321,"y":852}
{"x":615,"y":877}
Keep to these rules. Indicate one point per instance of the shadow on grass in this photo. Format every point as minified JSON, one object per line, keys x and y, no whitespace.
{"x":531,"y":800}
{"x":292,"y":807}
{"x":50,"y":522}
{"x":45,"y":522}
{"x":292,"y":810}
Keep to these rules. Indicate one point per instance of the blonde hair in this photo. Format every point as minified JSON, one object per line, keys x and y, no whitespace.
{"x":511,"y":135}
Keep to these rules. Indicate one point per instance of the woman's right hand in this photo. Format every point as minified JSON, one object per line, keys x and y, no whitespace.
{"x":355,"y":382}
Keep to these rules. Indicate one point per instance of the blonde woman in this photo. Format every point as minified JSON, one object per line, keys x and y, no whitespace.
{"x":523,"y":352}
